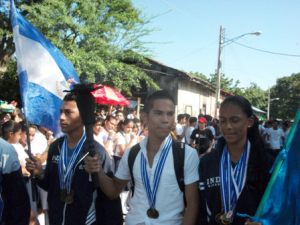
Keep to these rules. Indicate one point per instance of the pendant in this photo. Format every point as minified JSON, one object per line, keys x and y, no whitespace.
{"x":229,"y":214}
{"x":224,"y":219}
{"x":65,"y":197}
{"x":218,"y":216}
{"x":152,"y":213}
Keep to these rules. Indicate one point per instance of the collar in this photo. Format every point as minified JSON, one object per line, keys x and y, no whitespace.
{"x":143,"y":145}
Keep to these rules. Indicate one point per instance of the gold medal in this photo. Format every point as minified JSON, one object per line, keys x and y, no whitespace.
{"x":152,"y":213}
{"x":224,"y":219}
{"x":69,"y":199}
{"x":65,"y":197}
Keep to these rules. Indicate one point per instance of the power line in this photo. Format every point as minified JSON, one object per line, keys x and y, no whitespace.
{"x":193,"y":52}
{"x":275,"y":53}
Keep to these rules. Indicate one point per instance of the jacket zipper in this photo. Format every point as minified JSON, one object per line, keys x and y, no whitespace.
{"x":73,"y":175}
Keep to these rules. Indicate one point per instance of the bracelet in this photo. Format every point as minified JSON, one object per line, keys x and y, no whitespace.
{"x":40,"y":176}
{"x":108,"y":138}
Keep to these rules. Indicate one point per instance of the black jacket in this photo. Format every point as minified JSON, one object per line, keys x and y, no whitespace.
{"x":88,"y":203}
{"x":259,"y":165}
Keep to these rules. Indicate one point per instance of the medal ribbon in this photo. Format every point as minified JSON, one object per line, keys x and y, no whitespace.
{"x":66,"y":164}
{"x":233,"y":180}
{"x":151,"y":194}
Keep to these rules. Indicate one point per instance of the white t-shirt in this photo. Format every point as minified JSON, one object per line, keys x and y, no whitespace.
{"x":22,"y":155}
{"x":274,"y":137}
{"x":266,"y":132}
{"x":130,"y":116}
{"x":102,"y":138}
{"x":99,"y":138}
{"x":123,"y":139}
{"x":188,"y":133}
{"x":261,"y":128}
{"x":169,"y":198}
{"x":179,"y":130}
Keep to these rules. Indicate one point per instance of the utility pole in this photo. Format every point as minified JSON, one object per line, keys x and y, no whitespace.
{"x":218,"y":86}
{"x":269,"y":101}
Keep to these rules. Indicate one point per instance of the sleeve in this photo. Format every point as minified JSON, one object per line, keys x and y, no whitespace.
{"x":14,"y":192}
{"x":44,"y":184}
{"x":123,"y":169}
{"x":191,"y":164}
{"x":193,"y":135}
{"x":282,"y":134}
{"x":178,"y":129}
{"x":210,"y":135}
{"x":202,"y":215}
{"x":269,"y":131}
{"x":105,"y":159}
{"x":121,"y":139}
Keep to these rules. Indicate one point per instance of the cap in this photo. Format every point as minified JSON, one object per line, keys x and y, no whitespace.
{"x":202,"y":120}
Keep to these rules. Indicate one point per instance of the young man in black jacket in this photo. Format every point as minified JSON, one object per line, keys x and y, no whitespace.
{"x":72,"y":199}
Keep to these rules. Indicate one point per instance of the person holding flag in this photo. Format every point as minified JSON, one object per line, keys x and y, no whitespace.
{"x":157,"y":197}
{"x":234,"y":177}
{"x":73,"y":200}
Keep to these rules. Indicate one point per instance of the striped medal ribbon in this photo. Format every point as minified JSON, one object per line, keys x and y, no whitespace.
{"x":232,"y":180}
{"x":151,"y":194}
{"x":66,"y":164}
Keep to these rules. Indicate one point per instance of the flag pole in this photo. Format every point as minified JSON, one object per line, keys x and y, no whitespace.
{"x":33,"y":192}
{"x":277,"y":167}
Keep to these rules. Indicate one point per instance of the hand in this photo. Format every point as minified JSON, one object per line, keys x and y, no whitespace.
{"x":93,"y":164}
{"x":34,"y":165}
{"x":132,"y":136}
{"x":111,"y":133}
{"x":249,"y":222}
{"x":49,"y":142}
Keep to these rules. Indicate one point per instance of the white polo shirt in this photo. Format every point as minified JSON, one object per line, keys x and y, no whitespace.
{"x":169,"y":198}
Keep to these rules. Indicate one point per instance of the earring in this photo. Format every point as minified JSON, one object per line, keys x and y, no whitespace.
{"x":248,"y":126}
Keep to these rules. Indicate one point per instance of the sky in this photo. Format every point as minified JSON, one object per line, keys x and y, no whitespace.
{"x":192,"y":30}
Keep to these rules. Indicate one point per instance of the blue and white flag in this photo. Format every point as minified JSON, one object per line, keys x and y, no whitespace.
{"x":44,"y":73}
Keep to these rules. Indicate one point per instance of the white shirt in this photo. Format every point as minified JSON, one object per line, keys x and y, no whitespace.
{"x":99,"y":138}
{"x":22,"y":155}
{"x":102,"y":138}
{"x":274,"y":137}
{"x":188,"y":133}
{"x":39,"y":144}
{"x":260,"y":128}
{"x":130,"y":116}
{"x":266,"y":132}
{"x":179,"y":130}
{"x":169,"y":198}
{"x":123,"y":139}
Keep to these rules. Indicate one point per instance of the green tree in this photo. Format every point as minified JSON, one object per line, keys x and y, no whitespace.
{"x":257,"y":96}
{"x":9,"y":84}
{"x":287,"y":89}
{"x":97,"y":36}
{"x":200,"y":75}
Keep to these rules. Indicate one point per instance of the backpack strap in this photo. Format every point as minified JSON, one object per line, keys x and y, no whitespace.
{"x":178,"y":156}
{"x":131,"y":158}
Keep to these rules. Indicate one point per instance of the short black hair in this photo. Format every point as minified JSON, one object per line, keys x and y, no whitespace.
{"x":180,"y":117}
{"x":120,"y":112}
{"x":99,"y":119}
{"x":187,"y":116}
{"x":156,"y":95}
{"x":193,"y":120}
{"x":136,"y":120}
{"x":70,"y":97}
{"x":30,"y":125}
{"x":285,"y":124}
{"x":109,"y":117}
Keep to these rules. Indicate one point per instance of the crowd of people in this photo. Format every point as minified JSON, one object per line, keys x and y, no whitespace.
{"x":144,"y":176}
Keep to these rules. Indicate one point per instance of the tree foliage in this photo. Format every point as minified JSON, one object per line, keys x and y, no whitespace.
{"x":9,"y":84}
{"x":257,"y":96}
{"x":287,"y":89}
{"x":102,"y":38}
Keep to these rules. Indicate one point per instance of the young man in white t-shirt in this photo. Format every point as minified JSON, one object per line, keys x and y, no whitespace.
{"x":189,"y":130}
{"x":158,"y":114}
{"x":181,"y":127}
{"x":274,"y":136}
